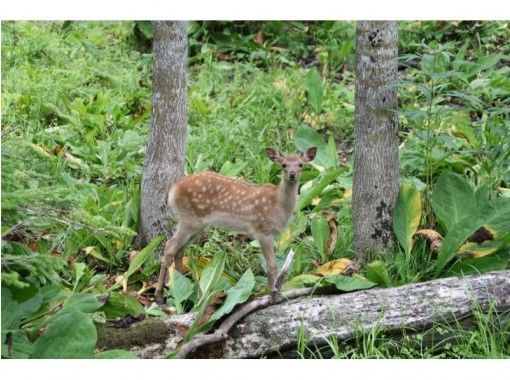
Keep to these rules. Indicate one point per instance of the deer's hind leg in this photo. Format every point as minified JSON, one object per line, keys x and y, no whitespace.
{"x":173,"y":250}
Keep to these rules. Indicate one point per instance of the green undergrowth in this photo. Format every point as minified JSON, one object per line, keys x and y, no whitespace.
{"x":76,"y":106}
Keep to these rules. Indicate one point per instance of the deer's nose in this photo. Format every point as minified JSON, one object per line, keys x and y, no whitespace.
{"x":292,"y":174}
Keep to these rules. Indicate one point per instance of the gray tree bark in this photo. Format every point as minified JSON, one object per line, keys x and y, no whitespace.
{"x":375,"y":183}
{"x":274,"y":331}
{"x":165,"y":156}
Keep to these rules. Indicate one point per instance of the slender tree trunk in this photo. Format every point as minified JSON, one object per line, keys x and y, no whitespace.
{"x":165,"y":157}
{"x":375,"y":186}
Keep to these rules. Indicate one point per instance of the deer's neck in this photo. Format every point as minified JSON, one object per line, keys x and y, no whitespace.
{"x":287,"y":194}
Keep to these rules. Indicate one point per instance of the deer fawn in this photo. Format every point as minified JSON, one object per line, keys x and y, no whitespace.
{"x":209,"y":199}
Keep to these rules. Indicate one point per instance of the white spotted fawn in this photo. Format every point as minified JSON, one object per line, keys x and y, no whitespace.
{"x":209,"y":199}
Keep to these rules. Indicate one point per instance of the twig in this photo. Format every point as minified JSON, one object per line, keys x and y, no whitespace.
{"x":221,"y":332}
{"x":285,"y":269}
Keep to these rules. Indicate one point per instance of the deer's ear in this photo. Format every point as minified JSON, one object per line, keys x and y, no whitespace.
{"x":309,"y":154}
{"x":273,"y":155}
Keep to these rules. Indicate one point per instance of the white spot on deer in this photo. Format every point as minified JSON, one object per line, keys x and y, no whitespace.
{"x":263,"y":200}
{"x":256,"y":201}
{"x":218,"y":187}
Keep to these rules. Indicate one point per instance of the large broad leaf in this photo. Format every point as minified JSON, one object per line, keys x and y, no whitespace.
{"x":210,"y":277}
{"x":326,"y":153}
{"x":477,"y":266}
{"x":181,"y":289}
{"x":19,"y":347}
{"x":318,"y":185}
{"x":495,"y":214}
{"x":453,"y":199}
{"x":115,"y":354}
{"x":120,"y":304}
{"x":407,"y":215}
{"x":378,"y":273}
{"x":71,"y":336}
{"x":29,"y":299}
{"x":11,"y":317}
{"x":314,"y":89}
{"x":349,"y":284}
{"x":236,"y":295}
{"x":83,"y":302}
{"x":320,"y":233}
{"x":301,"y":281}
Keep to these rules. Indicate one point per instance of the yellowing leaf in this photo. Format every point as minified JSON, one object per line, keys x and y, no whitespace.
{"x":478,"y":250}
{"x":407,"y":215}
{"x":95,"y":252}
{"x":339,"y":266}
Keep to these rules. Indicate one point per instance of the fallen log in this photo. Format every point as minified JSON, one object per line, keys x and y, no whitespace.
{"x":273,"y":331}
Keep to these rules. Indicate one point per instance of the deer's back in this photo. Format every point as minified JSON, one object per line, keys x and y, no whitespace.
{"x":210,"y":198}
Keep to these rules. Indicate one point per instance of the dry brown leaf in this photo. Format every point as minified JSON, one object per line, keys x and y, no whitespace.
{"x":215,"y":303}
{"x":131,"y":255}
{"x":482,"y":234}
{"x":435,"y":239}
{"x":333,"y":232}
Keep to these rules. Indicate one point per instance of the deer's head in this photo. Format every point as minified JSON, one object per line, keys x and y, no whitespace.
{"x":292,"y":163}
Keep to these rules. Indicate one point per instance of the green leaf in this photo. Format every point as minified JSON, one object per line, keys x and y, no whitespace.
{"x":326,"y":153}
{"x":29,"y":299}
{"x":71,"y":336}
{"x":320,"y":233}
{"x":180,"y":290}
{"x":236,"y":295}
{"x":115,"y":354}
{"x":231,"y":170}
{"x":119,"y":305}
{"x":484,"y":62}
{"x":142,"y":257}
{"x":349,"y":284}
{"x":477,"y":266}
{"x":453,"y":200}
{"x":210,"y":277}
{"x":79,"y":270}
{"x":494,"y":215}
{"x":378,"y":273}
{"x":20,"y":346}
{"x":318,"y":185}
{"x":407,"y":215}
{"x":83,"y":302}
{"x":147,"y":28}
{"x":315,"y":89}
{"x":301,"y":281}
{"x":11,"y":317}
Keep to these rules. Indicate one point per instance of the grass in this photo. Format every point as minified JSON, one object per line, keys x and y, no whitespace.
{"x":487,"y":338}
{"x":76,"y":105}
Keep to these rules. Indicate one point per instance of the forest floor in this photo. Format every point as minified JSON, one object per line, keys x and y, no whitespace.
{"x":76,"y":105}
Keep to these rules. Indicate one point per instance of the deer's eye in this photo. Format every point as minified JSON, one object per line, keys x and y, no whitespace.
{"x":284,"y":166}
{"x":300,"y":165}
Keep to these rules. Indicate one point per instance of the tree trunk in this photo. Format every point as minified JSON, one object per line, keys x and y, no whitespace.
{"x":375,"y":184}
{"x":274,"y":331}
{"x":165,"y":157}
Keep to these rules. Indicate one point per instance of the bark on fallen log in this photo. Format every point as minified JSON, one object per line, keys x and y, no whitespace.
{"x":274,"y":330}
